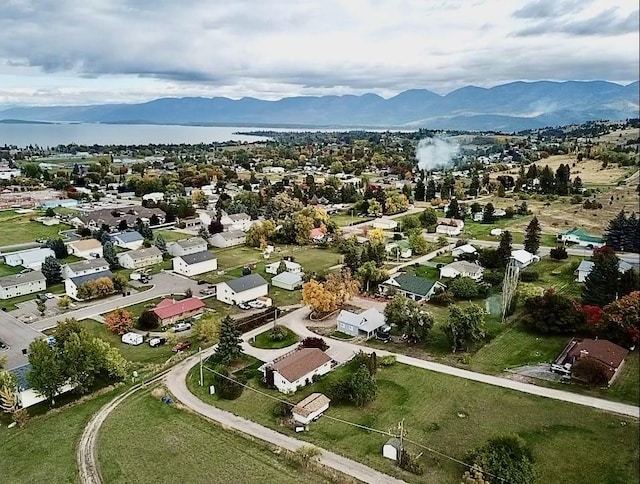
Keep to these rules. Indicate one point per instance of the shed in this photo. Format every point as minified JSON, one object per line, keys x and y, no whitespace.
{"x":391,"y":449}
{"x":310,"y":408}
{"x":287,"y":280}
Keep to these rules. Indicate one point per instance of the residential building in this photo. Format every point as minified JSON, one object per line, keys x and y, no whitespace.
{"x":29,"y":259}
{"x":362,"y":324}
{"x":289,"y":281}
{"x":170,"y":311}
{"x":72,"y":284}
{"x":297,"y":369}
{"x":450,"y":227}
{"x":187,"y":246}
{"x":581,"y":237}
{"x":136,"y":259}
{"x":27,"y":396}
{"x":586,"y":266}
{"x":466,"y":249}
{"x":236,"y":221}
{"x":400,"y":248}
{"x":113,"y":217}
{"x":21,"y":284}
{"x":318,"y":234}
{"x":85,"y":248}
{"x":411,"y":286}
{"x":228,"y":239}
{"x":207,"y":217}
{"x":84,"y":267}
{"x":155,"y":196}
{"x":291,"y":267}
{"x":523,"y":258}
{"x":191,"y":223}
{"x":607,"y":353}
{"x":62,"y":202}
{"x":130,"y":240}
{"x":384,"y":223}
{"x":310,"y":408}
{"x":243,"y":289}
{"x":462,"y":269}
{"x":194,"y":264}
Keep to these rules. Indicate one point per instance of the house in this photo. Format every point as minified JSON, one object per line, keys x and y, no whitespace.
{"x":27,"y":396}
{"x":135,"y":259}
{"x":187,"y":246}
{"x":586,"y":266}
{"x":86,"y":248}
{"x":297,"y":369}
{"x":228,"y":239}
{"x":72,"y":284}
{"x":130,"y":240}
{"x":317,"y":234}
{"x":191,"y":223}
{"x":384,"y":223}
{"x":523,"y":258}
{"x":236,"y":221}
{"x":113,"y":217}
{"x":49,"y":221}
{"x":291,"y":267}
{"x":310,"y":408}
{"x":170,"y":311}
{"x":413,"y":287}
{"x":466,"y":249}
{"x":462,"y":269}
{"x":243,"y":289}
{"x":449,"y":226}
{"x":392,"y":448}
{"x":194,"y":264}
{"x":155,"y":196}
{"x":399,"y":247}
{"x":29,"y":259}
{"x":609,"y":354}
{"x":207,"y":217}
{"x":84,"y":267}
{"x":363,"y":324}
{"x":21,"y":284}
{"x":287,"y":280}
{"x":581,"y":237}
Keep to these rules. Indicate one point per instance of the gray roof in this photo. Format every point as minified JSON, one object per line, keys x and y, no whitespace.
{"x":239,"y":216}
{"x":20,"y":373}
{"x":197,"y":257}
{"x":287,"y":278}
{"x":126,"y":237}
{"x":245,"y":283}
{"x":143,"y":253}
{"x":17,"y":279}
{"x":232,"y":234}
{"x":369,"y":320}
{"x":587,"y":266}
{"x":191,"y":242}
{"x":91,"y":277}
{"x":464,"y":266}
{"x":87,"y":264}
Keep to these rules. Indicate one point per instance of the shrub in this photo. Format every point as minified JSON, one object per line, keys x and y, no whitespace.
{"x":464,"y":288}
{"x":443,"y":298}
{"x":314,"y":342}
{"x":529,"y":276}
{"x":409,"y":463}
{"x":148,"y":320}
{"x":506,"y":456}
{"x":282,"y":410}
{"x":558,"y":253}
{"x":227,"y":386}
{"x":590,"y":371}
{"x":279,"y":333}
{"x":493,"y":277}
{"x":387,"y":360}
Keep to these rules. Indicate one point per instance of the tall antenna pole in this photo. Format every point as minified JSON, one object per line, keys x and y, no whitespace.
{"x":509,"y":286}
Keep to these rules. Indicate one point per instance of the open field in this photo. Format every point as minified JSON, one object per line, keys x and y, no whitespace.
{"x":344,"y":219}
{"x":625,"y":387}
{"x":45,"y":450}
{"x":557,"y":274}
{"x":571,"y":444}
{"x":618,"y":136}
{"x":171,"y":235}
{"x":18,"y":229}
{"x":515,"y":225}
{"x":165,"y":444}
{"x":312,"y":259}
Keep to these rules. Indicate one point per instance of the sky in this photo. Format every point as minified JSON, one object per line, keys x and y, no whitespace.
{"x":67,"y":52}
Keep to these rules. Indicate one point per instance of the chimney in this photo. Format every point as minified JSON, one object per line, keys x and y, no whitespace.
{"x":584,"y":353}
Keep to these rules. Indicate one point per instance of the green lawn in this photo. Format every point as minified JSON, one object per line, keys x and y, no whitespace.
{"x":171,"y":235}
{"x":137,"y":309}
{"x":478,"y":230}
{"x":625,"y":387}
{"x":571,"y":444}
{"x":165,"y":444}
{"x":18,"y":229}
{"x":558,"y":274}
{"x":344,"y":219}
{"x":45,"y":450}
{"x":6,"y":270}
{"x":263,"y":340}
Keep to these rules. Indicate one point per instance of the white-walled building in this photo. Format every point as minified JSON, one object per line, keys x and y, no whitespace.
{"x":466,"y":249}
{"x":191,"y":245}
{"x":384,"y":223}
{"x":524,"y":258}
{"x":131,"y":240}
{"x":21,"y":284}
{"x":84,"y":267}
{"x":291,"y":267}
{"x":243,"y":289}
{"x":297,"y":369}
{"x":195,"y":264}
{"x":462,"y":269}
{"x":137,"y":259}
{"x":310,"y":408}
{"x":29,"y":259}
{"x":228,"y":239}
{"x":71,"y":285}
{"x":86,"y":248}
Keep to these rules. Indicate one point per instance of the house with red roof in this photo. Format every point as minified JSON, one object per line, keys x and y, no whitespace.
{"x":170,"y":311}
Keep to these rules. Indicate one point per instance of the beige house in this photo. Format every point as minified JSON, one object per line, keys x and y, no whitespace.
{"x":86,"y":248}
{"x":137,"y":259}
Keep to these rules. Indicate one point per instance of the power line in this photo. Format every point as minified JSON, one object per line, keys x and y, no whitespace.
{"x":353,"y":424}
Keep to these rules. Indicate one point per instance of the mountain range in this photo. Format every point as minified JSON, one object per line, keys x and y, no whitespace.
{"x":509,"y":107}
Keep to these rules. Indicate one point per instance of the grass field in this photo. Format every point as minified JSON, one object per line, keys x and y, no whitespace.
{"x":263,"y":340}
{"x":571,"y":444}
{"x":45,"y":450}
{"x":18,"y":229}
{"x":558,"y":274}
{"x":171,"y":235}
{"x":6,"y":270}
{"x":166,"y":445}
{"x":344,"y":219}
{"x":312,"y":259}
{"x":626,"y":388}
{"x":515,"y":225}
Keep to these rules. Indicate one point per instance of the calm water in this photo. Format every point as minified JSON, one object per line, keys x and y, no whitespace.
{"x":105,"y":134}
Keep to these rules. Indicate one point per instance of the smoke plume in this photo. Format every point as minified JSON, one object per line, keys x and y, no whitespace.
{"x":437,"y":152}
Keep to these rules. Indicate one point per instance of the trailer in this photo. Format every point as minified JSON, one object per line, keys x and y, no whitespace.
{"x":134,"y":339}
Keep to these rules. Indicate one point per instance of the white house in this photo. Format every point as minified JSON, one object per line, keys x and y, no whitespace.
{"x":399,"y":247}
{"x":586,"y":266}
{"x":297,"y":369}
{"x":155,"y":196}
{"x":191,"y":245}
{"x":287,"y":280}
{"x":449,"y":226}
{"x":228,"y":239}
{"x":243,"y":289}
{"x":581,"y":237}
{"x":136,"y":259}
{"x":84,"y":267}
{"x":236,"y":221}
{"x":363,"y":324}
{"x":21,"y":284}
{"x":28,"y":396}
{"x":72,"y":284}
{"x":384,"y":223}
{"x":128,"y":240}
{"x":310,"y":408}
{"x":466,"y":249}
{"x":291,"y":267}
{"x":29,"y":259}
{"x":462,"y":269}
{"x":524,"y":258}
{"x":194,"y":264}
{"x":206,"y":217}
{"x":86,"y":248}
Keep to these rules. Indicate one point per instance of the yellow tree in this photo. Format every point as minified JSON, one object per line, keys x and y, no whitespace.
{"x":318,"y":298}
{"x":376,"y":236}
{"x":342,"y":286}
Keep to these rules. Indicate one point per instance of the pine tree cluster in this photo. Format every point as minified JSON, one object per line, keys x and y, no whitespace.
{"x":623,"y":233}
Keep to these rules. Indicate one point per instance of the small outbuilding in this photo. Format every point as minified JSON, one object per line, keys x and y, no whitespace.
{"x":391,"y":449}
{"x":310,"y":408}
{"x":287,"y":280}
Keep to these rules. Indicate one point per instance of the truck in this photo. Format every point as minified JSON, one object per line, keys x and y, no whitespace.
{"x":133,"y":339}
{"x":135,"y":276}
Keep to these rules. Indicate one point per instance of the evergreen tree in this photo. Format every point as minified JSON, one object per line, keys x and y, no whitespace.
{"x":546,"y":180}
{"x":532,"y":236}
{"x":504,"y":249}
{"x":420,"y":191}
{"x":614,"y":235}
{"x":601,"y":285}
{"x":146,"y":232}
{"x":577,"y":185}
{"x":109,"y":254}
{"x":631,"y":234}
{"x":454,"y":209}
{"x":487,"y":214}
{"x":51,"y":270}
{"x":430,"y":191}
{"x":58,"y":247}
{"x":161,"y":243}
{"x":562,"y":177}
{"x":230,"y":339}
{"x":628,"y":283}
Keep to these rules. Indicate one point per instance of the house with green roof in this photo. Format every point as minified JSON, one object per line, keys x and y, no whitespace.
{"x":580,"y":237}
{"x":411,"y":286}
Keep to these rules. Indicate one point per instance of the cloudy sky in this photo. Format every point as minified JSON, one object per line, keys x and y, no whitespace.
{"x":94,"y":51}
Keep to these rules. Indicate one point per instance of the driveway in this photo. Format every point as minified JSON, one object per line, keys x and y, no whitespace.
{"x":17,"y":335}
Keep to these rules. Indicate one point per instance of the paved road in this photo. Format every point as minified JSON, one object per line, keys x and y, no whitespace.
{"x":176,"y":383}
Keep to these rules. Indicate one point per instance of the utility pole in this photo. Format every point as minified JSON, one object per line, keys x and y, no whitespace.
{"x":401,"y":428}
{"x":201,"y":374}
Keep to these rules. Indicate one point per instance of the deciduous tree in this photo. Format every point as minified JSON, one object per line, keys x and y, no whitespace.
{"x":46,"y":375}
{"x":119,"y":321}
{"x":207,"y":329}
{"x":465,"y":326}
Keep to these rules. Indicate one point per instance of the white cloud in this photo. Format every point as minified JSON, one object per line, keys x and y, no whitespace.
{"x":66,"y":51}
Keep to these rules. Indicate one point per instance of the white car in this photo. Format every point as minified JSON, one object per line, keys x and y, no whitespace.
{"x":181,"y":327}
{"x":49,"y":295}
{"x":256,"y":304}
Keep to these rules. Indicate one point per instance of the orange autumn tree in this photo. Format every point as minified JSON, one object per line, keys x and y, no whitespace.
{"x":119,"y":321}
{"x":328,"y":296}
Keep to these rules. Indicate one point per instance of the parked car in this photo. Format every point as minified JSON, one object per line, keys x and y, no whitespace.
{"x":202,"y":281}
{"x":185,"y":345}
{"x":206,"y":292}
{"x":181,"y":327}
{"x":49,"y":295}
{"x":256,"y":304}
{"x":244,"y":306}
{"x":155,"y":342}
